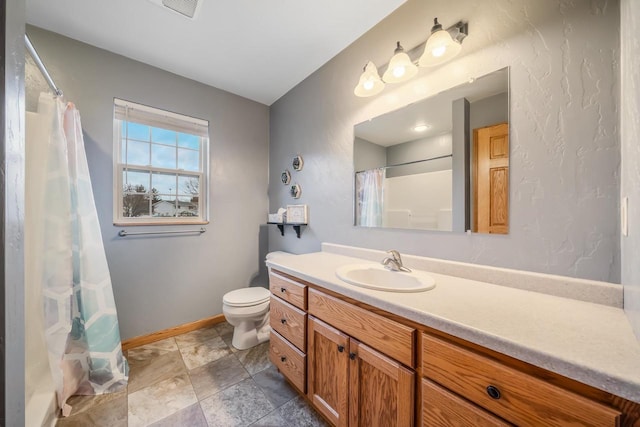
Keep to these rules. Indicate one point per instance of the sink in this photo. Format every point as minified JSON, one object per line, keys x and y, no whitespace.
{"x":374,"y":276}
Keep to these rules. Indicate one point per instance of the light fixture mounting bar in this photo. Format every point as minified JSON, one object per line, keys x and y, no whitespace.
{"x":458,"y":32}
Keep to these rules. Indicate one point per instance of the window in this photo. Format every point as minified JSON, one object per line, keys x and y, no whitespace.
{"x":160,"y":166}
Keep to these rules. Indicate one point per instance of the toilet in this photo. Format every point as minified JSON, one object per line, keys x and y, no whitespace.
{"x":247,"y":310}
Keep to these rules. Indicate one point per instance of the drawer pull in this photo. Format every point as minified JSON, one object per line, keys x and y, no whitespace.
{"x":283,"y":321}
{"x":283,"y":359}
{"x":283,"y":289}
{"x":340,"y":348}
{"x":352,"y":356}
{"x":493,"y":392}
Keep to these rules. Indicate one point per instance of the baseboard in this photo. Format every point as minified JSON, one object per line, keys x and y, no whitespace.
{"x":171,"y":332}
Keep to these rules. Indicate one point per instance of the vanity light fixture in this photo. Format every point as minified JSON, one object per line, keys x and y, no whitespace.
{"x":370,"y":83}
{"x":443,"y":45}
{"x":421,"y":128}
{"x":400,"y":67}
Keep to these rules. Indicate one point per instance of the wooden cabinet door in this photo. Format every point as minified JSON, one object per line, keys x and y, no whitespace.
{"x":381,"y":390}
{"x":328,"y":371}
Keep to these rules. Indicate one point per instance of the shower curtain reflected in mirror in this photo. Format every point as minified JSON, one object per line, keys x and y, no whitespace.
{"x":80,"y":319}
{"x":369,"y":197}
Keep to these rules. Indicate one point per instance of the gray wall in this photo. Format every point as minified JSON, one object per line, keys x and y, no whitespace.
{"x":420,"y":149}
{"x":630,"y":129}
{"x":368,"y":155}
{"x":489,"y":111}
{"x":164,"y":281}
{"x":564,"y":144}
{"x":461,"y":142}
{"x":12,"y":171}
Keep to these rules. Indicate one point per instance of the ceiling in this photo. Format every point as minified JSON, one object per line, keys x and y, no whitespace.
{"x":256,"y":49}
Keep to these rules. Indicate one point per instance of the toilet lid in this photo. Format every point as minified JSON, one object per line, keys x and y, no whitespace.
{"x":246,"y":297}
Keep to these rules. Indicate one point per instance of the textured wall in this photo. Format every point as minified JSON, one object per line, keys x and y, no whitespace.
{"x":630,"y":129}
{"x":565,"y":152}
{"x":163,"y":281}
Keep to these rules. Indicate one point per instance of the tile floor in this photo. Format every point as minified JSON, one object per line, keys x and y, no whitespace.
{"x":197,"y":380}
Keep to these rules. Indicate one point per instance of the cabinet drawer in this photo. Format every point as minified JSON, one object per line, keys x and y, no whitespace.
{"x":391,"y":338}
{"x":289,"y":290}
{"x":289,"y":360}
{"x":522,"y":399}
{"x":289,"y":322}
{"x":441,"y":408}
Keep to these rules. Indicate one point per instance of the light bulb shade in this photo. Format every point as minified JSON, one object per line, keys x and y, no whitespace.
{"x":400,"y":69}
{"x":440,"y":48}
{"x":370,"y":83}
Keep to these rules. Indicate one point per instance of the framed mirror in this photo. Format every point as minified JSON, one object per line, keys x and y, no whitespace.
{"x":438,"y":164}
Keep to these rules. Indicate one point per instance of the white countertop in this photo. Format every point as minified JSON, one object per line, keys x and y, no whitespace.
{"x":585,"y":341}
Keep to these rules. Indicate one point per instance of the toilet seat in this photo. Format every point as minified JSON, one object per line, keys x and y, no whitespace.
{"x":246,"y":297}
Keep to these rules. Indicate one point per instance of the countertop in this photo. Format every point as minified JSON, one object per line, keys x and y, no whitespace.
{"x":588,"y":342}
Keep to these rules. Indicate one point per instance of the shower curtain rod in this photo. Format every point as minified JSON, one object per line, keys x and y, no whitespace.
{"x":43,"y":69}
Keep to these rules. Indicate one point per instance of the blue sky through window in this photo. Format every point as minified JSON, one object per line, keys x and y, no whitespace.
{"x":136,"y":131}
{"x":157,"y":147}
{"x":163,"y":136}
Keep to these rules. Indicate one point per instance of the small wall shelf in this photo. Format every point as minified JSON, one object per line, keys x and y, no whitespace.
{"x":296,"y":226}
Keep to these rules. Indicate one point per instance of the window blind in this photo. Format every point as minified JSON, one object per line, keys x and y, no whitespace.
{"x":138,"y":113}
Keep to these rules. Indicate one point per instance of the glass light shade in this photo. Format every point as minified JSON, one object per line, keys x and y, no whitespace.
{"x":370,"y":83}
{"x":440,"y":48}
{"x":400,"y":68}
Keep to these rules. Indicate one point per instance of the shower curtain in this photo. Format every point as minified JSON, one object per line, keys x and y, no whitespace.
{"x":81,"y":324}
{"x":369,"y":206}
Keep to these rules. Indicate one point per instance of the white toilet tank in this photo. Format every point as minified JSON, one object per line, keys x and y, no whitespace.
{"x":275,"y":254}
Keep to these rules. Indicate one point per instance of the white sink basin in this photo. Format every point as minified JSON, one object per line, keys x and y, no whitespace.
{"x":374,"y":276}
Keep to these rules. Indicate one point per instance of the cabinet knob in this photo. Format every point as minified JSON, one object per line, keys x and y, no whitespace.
{"x":493,"y":392}
{"x":283,"y":359}
{"x":340,"y":348}
{"x":283,"y":321}
{"x":283,"y":289}
{"x":352,"y":356}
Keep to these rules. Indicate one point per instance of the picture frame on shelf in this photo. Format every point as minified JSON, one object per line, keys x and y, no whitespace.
{"x":297,"y":214}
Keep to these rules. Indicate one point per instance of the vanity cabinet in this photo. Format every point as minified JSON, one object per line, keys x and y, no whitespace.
{"x":515,"y":396}
{"x":288,"y":320}
{"x":360,"y":366}
{"x":353,"y":377}
{"x":329,"y":371}
{"x":441,"y":408}
{"x":351,"y":384}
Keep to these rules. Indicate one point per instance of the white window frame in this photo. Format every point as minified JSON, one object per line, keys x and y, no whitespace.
{"x":167,"y":120}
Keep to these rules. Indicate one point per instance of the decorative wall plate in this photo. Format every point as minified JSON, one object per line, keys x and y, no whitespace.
{"x":286,"y":177}
{"x":296,"y":191}
{"x":297,"y":163}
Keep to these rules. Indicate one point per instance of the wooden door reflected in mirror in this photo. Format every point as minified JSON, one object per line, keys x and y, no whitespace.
{"x":491,"y":179}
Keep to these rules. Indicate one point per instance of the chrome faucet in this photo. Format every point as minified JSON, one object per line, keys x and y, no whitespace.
{"x":394,"y":262}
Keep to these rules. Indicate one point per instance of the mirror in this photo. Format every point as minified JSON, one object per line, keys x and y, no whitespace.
{"x":438,"y":164}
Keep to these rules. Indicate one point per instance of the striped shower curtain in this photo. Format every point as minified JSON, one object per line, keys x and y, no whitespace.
{"x":80,"y":319}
